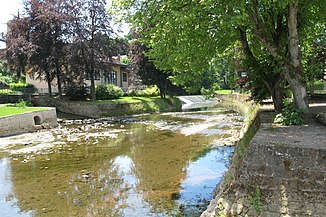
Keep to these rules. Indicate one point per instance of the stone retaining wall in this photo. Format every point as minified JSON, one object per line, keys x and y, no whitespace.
{"x":281,"y":172}
{"x":13,"y":98}
{"x":97,"y":110}
{"x":28,"y":122}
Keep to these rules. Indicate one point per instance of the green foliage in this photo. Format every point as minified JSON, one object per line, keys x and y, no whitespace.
{"x":75,"y":92}
{"x":7,"y":79}
{"x":184,"y":36}
{"x":9,"y":110}
{"x":290,"y":115}
{"x":148,"y":92}
{"x":318,"y":85}
{"x":23,"y":104}
{"x":22,"y":87}
{"x":137,"y":105}
{"x":255,"y":200}
{"x":125,"y":61}
{"x":208,"y":93}
{"x":7,"y":91}
{"x":6,"y":75}
{"x":108,"y":91}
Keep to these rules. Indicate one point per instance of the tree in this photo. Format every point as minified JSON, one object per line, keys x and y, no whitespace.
{"x":146,"y":70}
{"x":45,"y":29}
{"x":185,"y":35}
{"x":92,"y":37}
{"x":18,"y":46}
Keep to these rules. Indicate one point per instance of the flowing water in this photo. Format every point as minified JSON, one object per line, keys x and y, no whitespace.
{"x":149,"y":165}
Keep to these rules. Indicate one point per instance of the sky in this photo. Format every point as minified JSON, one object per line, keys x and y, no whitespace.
{"x":9,"y":8}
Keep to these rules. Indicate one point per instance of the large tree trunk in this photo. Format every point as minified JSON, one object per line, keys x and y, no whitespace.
{"x":274,"y":85}
{"x":298,"y":89}
{"x":93,"y":93}
{"x":277,"y":92}
{"x":48,"y":79}
{"x":312,"y":87}
{"x":294,"y":70}
{"x":277,"y":96}
{"x":59,"y":81}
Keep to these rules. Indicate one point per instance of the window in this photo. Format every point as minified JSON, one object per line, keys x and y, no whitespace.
{"x":111,"y":77}
{"x":97,"y":75}
{"x":124,"y":77}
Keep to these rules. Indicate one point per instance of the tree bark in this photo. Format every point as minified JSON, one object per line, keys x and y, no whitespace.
{"x":93,"y":94}
{"x":59,"y":81}
{"x":274,"y":86}
{"x":48,"y":79}
{"x":277,"y":96}
{"x":294,"y":70}
{"x":312,"y":87}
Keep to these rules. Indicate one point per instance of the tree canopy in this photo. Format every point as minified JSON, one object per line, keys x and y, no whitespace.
{"x":66,"y":40}
{"x":184,"y":35}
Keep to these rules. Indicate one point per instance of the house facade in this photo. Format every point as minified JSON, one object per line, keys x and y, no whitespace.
{"x":117,"y":75}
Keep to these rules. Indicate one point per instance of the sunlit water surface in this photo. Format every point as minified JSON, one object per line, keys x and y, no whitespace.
{"x":149,"y":165}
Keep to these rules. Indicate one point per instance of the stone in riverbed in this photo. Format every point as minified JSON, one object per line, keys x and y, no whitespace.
{"x":321,"y":117}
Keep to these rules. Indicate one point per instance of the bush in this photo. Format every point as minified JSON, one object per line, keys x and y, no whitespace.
{"x":22,"y":104}
{"x":7,"y":91}
{"x":290,"y":115}
{"x":148,"y":92}
{"x":76,"y":93}
{"x":22,"y":87}
{"x":7,"y":79}
{"x":108,"y":91}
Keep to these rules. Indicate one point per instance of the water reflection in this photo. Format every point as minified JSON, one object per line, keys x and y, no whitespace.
{"x":135,"y":169}
{"x":8,"y":203}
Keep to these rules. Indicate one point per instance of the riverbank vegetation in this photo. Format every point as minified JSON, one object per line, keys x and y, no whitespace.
{"x":12,"y":110}
{"x":268,"y":49}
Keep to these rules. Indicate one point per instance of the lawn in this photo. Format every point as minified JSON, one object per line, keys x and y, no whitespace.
{"x":125,"y":99}
{"x":9,"y":110}
{"x":224,"y":91}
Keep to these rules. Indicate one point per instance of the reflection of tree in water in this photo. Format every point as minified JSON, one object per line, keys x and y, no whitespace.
{"x":82,"y":183}
{"x":84,"y":179}
{"x":160,"y":161}
{"x":103,"y":194}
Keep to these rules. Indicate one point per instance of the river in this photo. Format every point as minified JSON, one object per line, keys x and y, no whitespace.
{"x":148,"y":165}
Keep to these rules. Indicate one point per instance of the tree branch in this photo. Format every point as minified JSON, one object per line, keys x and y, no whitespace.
{"x":260,"y":32}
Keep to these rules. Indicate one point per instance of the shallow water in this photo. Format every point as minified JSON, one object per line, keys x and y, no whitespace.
{"x":149,"y":165}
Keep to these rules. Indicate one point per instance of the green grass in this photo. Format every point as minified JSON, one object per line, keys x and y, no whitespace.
{"x":9,"y":110}
{"x":223,"y":91}
{"x":125,"y":99}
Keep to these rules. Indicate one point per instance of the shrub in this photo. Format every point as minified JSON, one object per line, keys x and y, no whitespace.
{"x":7,"y":91}
{"x":76,"y":93}
{"x":108,"y":91}
{"x":290,"y":115}
{"x":22,"y":104}
{"x":7,"y":79}
{"x":22,"y":87}
{"x":147,"y":92}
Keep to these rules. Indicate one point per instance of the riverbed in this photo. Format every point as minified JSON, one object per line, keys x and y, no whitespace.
{"x":147,"y":165}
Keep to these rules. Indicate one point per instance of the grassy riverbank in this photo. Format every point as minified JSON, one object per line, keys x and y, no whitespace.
{"x":137,"y":105}
{"x":117,"y":107}
{"x":10,"y":110}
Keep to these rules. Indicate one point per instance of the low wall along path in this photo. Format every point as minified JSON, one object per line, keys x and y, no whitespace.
{"x":283,"y":173}
{"x":28,"y":122}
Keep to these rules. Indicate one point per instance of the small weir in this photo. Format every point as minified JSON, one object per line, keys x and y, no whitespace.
{"x":149,"y":165}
